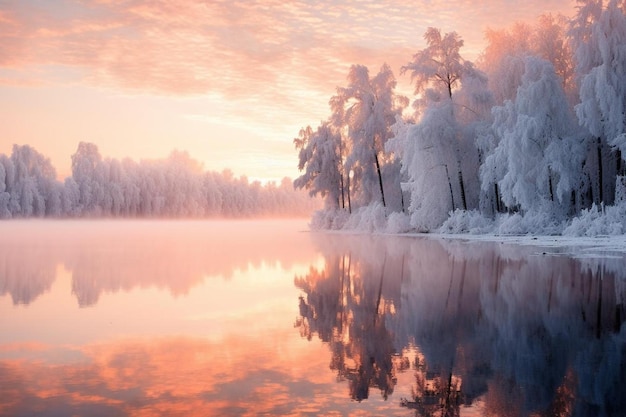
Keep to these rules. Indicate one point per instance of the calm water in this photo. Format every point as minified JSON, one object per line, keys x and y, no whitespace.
{"x":121,"y":318}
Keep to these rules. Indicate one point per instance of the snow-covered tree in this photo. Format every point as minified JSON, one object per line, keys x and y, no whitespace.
{"x":439,"y":66}
{"x":440,"y":150}
{"x":599,"y":35}
{"x":320,"y":157}
{"x":87,"y":173}
{"x":537,"y":157}
{"x":6,"y":167}
{"x":365,"y":110}
{"x":32,"y":184}
{"x":426,"y":161}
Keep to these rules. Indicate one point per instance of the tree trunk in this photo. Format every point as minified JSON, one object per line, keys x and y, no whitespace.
{"x":348,"y":190}
{"x":342,"y":173}
{"x":462,"y":185}
{"x":380,"y":179}
{"x":497,"y":196}
{"x":550,"y":185}
{"x":600,"y":173}
{"x":450,"y":185}
{"x":619,"y":163}
{"x":599,"y":306}
{"x":343,"y":198}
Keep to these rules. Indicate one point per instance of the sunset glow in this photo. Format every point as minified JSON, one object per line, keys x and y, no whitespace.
{"x":231,"y":83}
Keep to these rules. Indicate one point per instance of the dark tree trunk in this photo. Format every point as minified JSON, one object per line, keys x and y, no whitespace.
{"x":450,"y":186}
{"x":343,"y":198}
{"x":462,"y":185}
{"x":348,"y":192}
{"x":380,"y":178}
{"x":550,"y":185}
{"x":600,"y":173}
{"x":497,"y":194}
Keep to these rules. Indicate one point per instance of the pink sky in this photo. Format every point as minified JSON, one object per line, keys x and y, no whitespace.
{"x":231,"y":82}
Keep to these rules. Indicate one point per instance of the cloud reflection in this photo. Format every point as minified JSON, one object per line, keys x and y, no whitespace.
{"x":176,"y":377}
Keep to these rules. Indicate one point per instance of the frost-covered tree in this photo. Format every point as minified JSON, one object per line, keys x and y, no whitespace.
{"x":599,"y":36}
{"x":320,"y":157}
{"x":365,"y":110}
{"x":426,"y":162}
{"x":6,"y":171}
{"x":87,"y":172}
{"x":436,"y":71}
{"x":537,"y":157}
{"x":32,"y":184}
{"x":440,"y":150}
{"x":439,"y":66}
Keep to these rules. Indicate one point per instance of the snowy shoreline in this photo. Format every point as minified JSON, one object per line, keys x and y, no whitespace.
{"x":600,"y":246}
{"x":575,"y":246}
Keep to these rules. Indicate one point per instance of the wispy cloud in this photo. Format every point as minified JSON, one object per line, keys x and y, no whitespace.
{"x":238,"y":49}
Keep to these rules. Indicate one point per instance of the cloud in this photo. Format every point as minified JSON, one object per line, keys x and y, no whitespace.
{"x":259,"y":55}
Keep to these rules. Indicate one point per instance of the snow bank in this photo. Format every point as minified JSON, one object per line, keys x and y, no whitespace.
{"x":597,"y":222}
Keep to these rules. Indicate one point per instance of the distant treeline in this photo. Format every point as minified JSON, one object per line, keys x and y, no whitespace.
{"x":177,"y":186}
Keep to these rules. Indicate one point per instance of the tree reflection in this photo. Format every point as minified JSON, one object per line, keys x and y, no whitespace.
{"x":347,"y":305}
{"x":435,"y":392}
{"x":497,"y":327}
{"x":107,"y":257}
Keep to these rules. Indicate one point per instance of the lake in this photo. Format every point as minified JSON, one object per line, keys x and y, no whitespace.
{"x":243,"y":318}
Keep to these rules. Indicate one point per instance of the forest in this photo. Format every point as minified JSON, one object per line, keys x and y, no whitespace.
{"x":530,"y":138}
{"x":174,"y":187}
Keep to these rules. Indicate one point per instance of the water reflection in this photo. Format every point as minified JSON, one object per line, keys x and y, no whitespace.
{"x":110,"y":256}
{"x":503,"y":329}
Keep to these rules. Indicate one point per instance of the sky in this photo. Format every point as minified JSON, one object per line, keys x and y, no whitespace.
{"x":229,"y":81}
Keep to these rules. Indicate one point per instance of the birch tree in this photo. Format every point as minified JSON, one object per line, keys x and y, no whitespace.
{"x":366,"y":109}
{"x":441,"y":148}
{"x":436,"y":71}
{"x":320,"y":157}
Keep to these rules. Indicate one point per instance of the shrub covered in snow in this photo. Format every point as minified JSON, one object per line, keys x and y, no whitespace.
{"x":461,"y":221}
{"x":598,"y":222}
{"x":398,"y":223}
